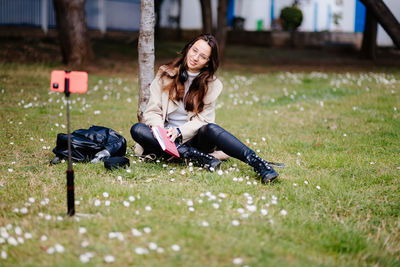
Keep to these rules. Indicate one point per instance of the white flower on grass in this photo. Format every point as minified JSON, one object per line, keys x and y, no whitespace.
{"x":175,"y":247}
{"x":160,"y":250}
{"x":84,"y":243}
{"x":28,"y":236}
{"x":96,"y":112}
{"x":20,"y":240}
{"x":84,"y":258}
{"x":222,"y":195}
{"x":136,"y":232}
{"x":18,"y":230}
{"x":12,"y":241}
{"x":59,"y":248}
{"x":31,"y":199}
{"x":191,"y":209}
{"x":235,"y":223}
{"x":283,"y":212}
{"x":97,"y":202}
{"x":215,"y":206}
{"x":131,"y":198}
{"x":50,"y":250}
{"x":3,"y":255}
{"x":264,"y":212}
{"x":372,"y":163}
{"x":204,"y":223}
{"x":2,"y":240}
{"x":141,"y":251}
{"x":294,"y":184}
{"x":305,"y":182}
{"x":10,"y":170}
{"x":105,"y":194}
{"x":153,"y":246}
{"x":43,"y":238}
{"x":189,"y":203}
{"x":183,"y":172}
{"x":107,"y":202}
{"x":147,"y":208}
{"x":220,"y":172}
{"x":318,"y":187}
{"x":237,"y":261}
{"x":82,"y":230}
{"x":126,"y":203}
{"x":147,"y":230}
{"x":109,"y":258}
{"x":251,"y":208}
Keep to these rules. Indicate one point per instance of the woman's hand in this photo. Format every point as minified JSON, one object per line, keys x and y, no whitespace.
{"x":172,"y":133}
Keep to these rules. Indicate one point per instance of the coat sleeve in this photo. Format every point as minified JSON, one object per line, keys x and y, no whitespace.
{"x":207,"y":115}
{"x":153,"y":115}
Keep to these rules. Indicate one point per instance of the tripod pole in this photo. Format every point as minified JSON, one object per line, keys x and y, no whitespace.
{"x":70,"y":171}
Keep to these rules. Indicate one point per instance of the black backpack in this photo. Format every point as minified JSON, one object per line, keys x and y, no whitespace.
{"x":85,"y":143}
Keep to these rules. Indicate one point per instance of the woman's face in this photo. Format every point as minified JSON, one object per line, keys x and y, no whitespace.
{"x":198,"y":56}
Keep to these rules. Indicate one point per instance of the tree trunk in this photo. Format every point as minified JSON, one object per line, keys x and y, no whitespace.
{"x":73,"y":32}
{"x":178,"y":20}
{"x":206,"y":15}
{"x":157,"y":10}
{"x":221,"y":27}
{"x":385,"y":17}
{"x":146,"y":54}
{"x":368,"y":49}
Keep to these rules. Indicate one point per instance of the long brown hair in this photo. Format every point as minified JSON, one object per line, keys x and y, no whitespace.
{"x":198,"y":89}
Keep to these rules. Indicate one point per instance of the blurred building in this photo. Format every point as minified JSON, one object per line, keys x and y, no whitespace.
{"x":347,"y":16}
{"x":318,"y":15}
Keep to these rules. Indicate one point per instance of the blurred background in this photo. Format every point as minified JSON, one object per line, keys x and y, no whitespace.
{"x":307,"y":33}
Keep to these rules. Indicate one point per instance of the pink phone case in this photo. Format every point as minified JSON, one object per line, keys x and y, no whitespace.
{"x":78,"y":81}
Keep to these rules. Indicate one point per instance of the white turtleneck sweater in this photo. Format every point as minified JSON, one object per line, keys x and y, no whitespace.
{"x":178,"y":117}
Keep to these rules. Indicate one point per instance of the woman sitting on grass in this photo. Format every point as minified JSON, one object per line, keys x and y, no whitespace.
{"x":182,"y":99}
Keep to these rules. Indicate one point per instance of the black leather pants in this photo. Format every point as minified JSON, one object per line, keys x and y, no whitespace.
{"x":210,"y":137}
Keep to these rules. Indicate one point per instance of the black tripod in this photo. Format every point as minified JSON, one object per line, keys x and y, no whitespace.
{"x":70,"y":171}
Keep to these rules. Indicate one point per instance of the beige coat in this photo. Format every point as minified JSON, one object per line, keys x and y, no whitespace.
{"x":159,"y":106}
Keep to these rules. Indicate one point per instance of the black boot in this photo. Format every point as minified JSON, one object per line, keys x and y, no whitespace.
{"x":203,"y":159}
{"x":262,"y":168}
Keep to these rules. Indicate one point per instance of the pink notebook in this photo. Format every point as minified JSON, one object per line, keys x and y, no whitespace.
{"x":165,"y":143}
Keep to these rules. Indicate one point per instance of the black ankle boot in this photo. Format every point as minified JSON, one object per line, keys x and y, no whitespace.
{"x":203,"y":159}
{"x":261,"y":167}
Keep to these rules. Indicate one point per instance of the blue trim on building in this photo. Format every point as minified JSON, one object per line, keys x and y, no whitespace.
{"x":272,"y":12}
{"x":359,"y":21}
{"x":329,"y":18}
{"x":230,"y":14}
{"x":316,"y":16}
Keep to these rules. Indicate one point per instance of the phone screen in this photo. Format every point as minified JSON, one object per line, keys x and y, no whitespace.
{"x":78,"y":81}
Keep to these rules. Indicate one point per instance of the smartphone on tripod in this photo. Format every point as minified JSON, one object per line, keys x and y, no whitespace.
{"x":76,"y":81}
{"x":68,"y":82}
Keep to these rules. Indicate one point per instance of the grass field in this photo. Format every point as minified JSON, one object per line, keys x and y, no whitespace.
{"x":336,"y":203}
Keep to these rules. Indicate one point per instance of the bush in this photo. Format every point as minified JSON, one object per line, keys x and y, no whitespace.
{"x":291,"y":18}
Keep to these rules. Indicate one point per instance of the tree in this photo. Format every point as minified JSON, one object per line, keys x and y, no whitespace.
{"x":222,"y":29}
{"x":385,"y":17}
{"x":157,"y":10}
{"x":206,"y":15}
{"x":368,"y":49}
{"x":146,"y":54}
{"x":72,"y":31}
